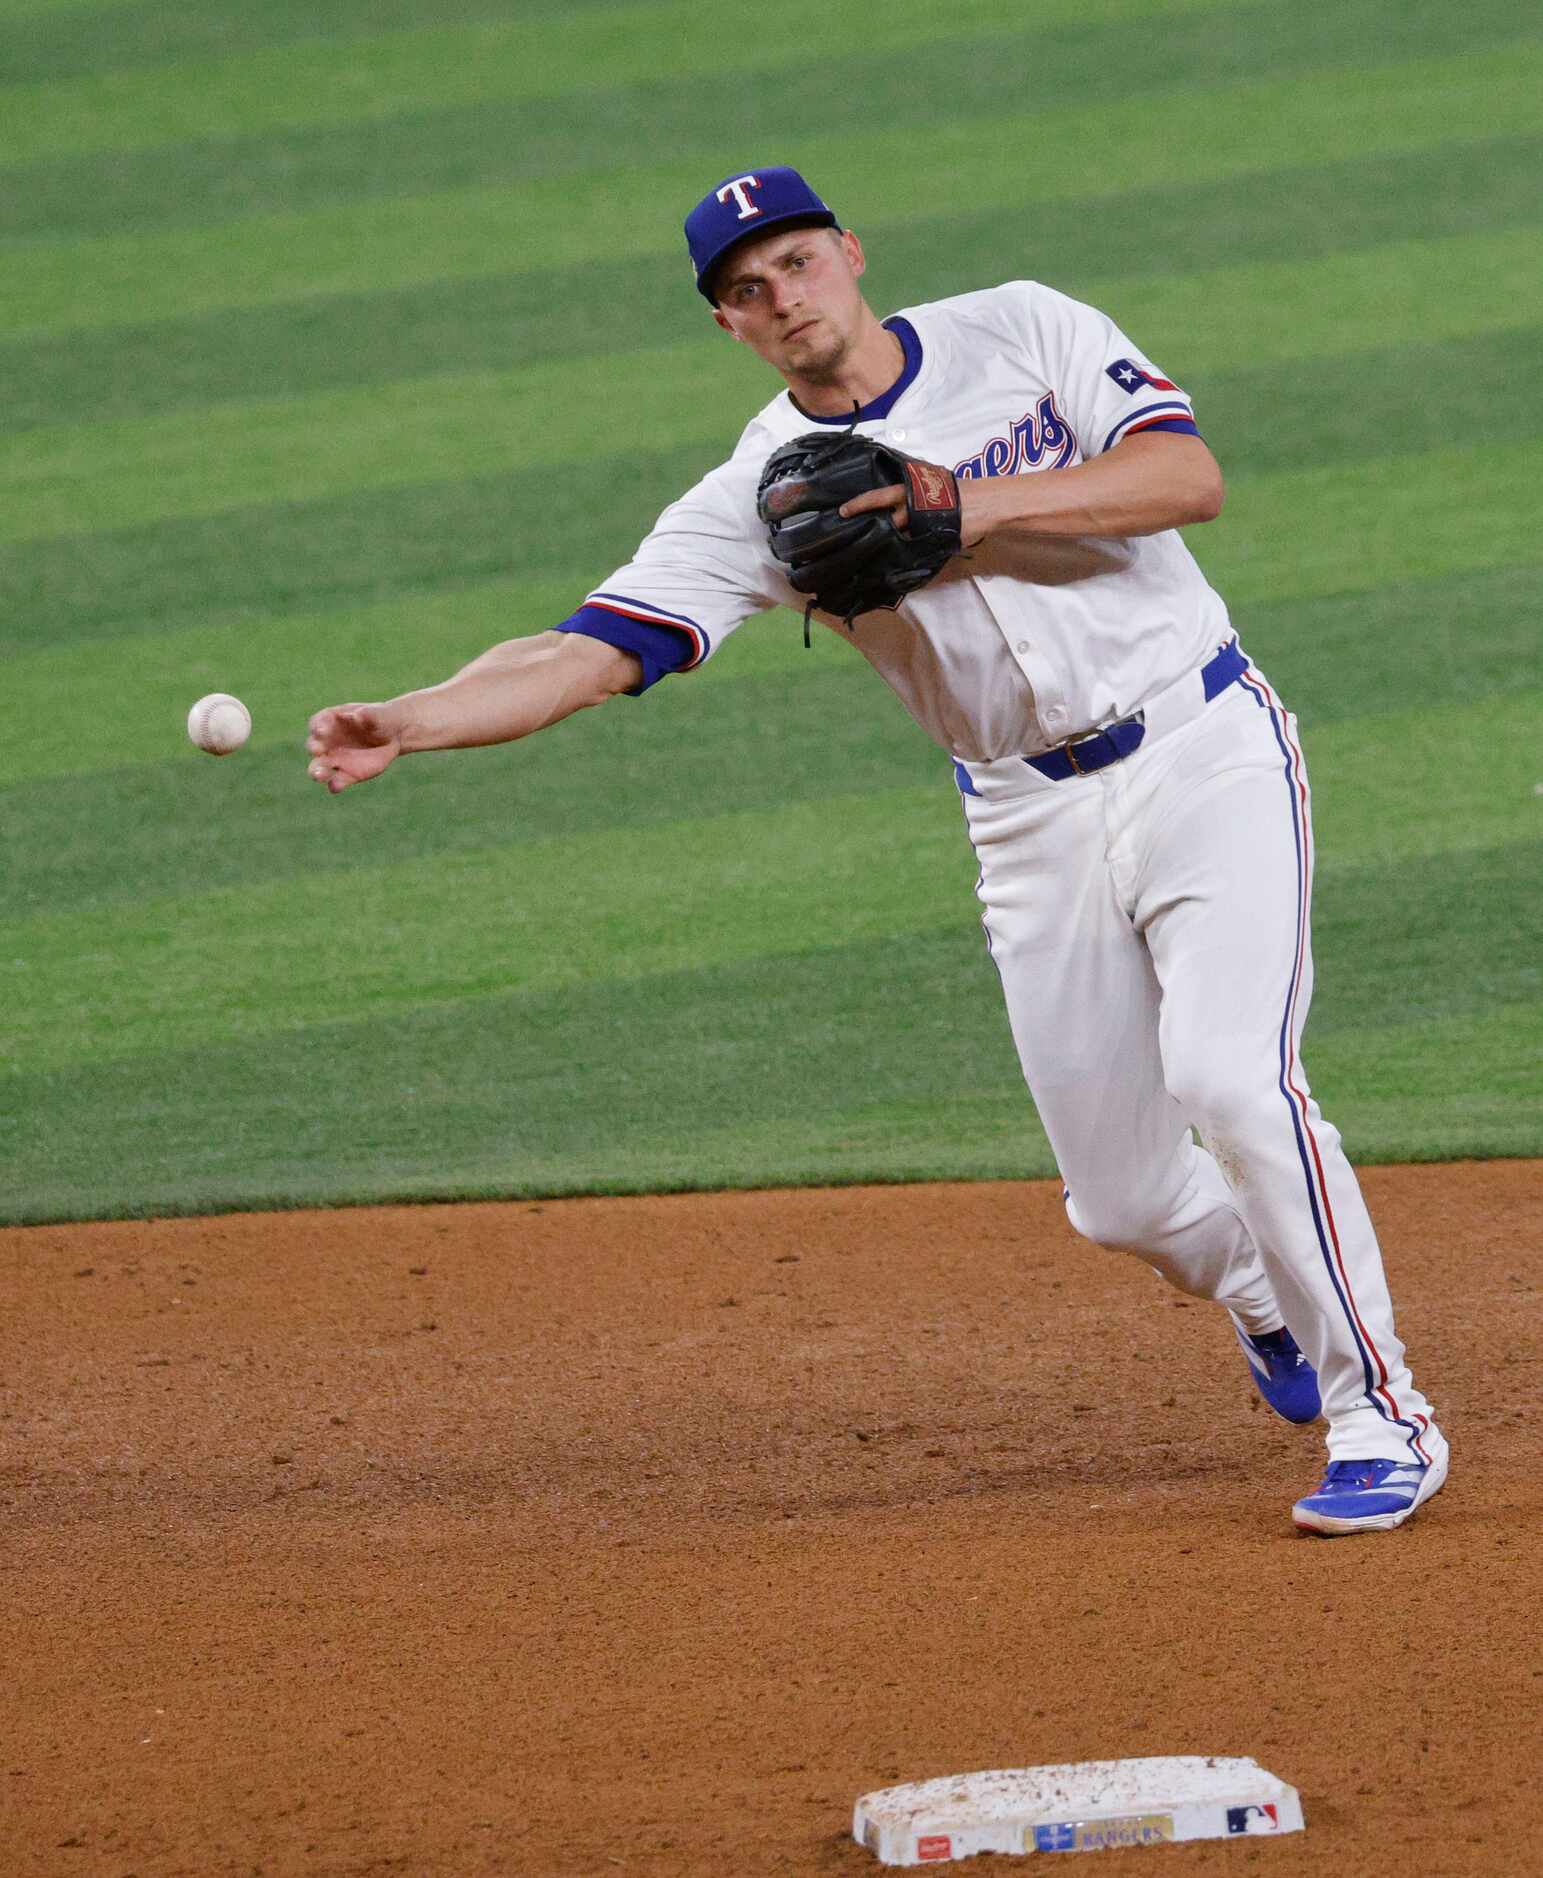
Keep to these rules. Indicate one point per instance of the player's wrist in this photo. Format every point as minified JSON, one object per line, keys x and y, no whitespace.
{"x":986,"y":505}
{"x":399,"y":721}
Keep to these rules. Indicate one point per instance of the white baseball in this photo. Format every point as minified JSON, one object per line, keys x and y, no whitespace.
{"x":219,"y":723}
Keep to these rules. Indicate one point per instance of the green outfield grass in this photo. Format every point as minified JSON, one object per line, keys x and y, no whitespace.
{"x":339,"y":340}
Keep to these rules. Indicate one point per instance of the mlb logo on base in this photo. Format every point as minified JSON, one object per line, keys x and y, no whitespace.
{"x":1253,"y":1819}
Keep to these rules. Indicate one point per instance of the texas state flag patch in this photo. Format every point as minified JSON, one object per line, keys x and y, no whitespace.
{"x":1130,"y":376}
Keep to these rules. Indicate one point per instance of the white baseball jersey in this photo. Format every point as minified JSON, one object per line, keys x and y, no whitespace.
{"x":1014,"y":648}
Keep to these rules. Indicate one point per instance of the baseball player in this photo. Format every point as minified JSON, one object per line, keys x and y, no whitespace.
{"x":985,"y":492}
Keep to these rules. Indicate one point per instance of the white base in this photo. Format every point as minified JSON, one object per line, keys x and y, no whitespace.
{"x":1084,"y":1806}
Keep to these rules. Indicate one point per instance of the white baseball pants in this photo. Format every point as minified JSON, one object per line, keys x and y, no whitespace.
{"x":1150,"y":925}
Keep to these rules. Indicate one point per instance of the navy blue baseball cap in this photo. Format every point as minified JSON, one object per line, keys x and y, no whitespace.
{"x":745,"y":204}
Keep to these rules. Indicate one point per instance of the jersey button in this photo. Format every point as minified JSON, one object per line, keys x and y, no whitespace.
{"x":1022,"y":646}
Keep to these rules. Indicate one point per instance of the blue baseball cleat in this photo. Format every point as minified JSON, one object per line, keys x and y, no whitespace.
{"x":1372,"y":1496}
{"x":1282,"y":1375}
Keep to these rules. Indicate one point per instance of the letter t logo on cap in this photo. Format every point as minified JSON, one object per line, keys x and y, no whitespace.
{"x":737,"y":189}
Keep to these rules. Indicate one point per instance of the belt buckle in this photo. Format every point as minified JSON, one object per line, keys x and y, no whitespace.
{"x":1069,"y":750}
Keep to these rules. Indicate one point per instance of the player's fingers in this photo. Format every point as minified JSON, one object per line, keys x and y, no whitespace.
{"x":325,"y":725}
{"x":892,"y":497}
{"x":343,"y":728}
{"x":323,"y":729}
{"x":359,"y":727}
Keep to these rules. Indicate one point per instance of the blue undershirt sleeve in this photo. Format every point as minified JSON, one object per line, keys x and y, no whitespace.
{"x":1186,"y":426}
{"x":661,"y":649}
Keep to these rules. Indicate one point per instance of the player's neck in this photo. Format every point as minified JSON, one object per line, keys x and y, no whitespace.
{"x":865,"y":373}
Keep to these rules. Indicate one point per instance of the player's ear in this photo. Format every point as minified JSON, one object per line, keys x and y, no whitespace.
{"x":853,"y":250}
{"x":719,"y":320}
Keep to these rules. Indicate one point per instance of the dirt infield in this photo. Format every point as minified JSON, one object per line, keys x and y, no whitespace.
{"x":641,"y":1536}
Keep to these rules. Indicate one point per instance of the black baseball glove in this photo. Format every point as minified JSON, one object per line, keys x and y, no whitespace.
{"x":853,"y":564}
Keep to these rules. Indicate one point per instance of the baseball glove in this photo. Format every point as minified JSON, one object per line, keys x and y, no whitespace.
{"x":853,"y":564}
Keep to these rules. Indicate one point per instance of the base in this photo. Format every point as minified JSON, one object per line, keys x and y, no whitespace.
{"x":1084,"y":1806}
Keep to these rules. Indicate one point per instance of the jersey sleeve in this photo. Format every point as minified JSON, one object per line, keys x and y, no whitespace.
{"x":700,"y":572}
{"x":1108,"y":388}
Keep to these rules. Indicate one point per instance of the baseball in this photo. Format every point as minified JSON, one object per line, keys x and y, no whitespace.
{"x":219,"y":723}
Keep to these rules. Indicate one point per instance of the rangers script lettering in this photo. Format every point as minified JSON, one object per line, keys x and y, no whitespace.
{"x":1039,"y":437}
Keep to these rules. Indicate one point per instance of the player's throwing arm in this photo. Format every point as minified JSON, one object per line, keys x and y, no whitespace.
{"x":509,"y":691}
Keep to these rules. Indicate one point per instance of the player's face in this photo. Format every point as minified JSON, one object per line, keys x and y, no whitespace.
{"x":793,"y":297}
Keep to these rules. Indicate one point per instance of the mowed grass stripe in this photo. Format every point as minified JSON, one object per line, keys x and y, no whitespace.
{"x":694,"y":745}
{"x":1165,"y":138}
{"x":356,"y":339}
{"x":430,"y":67}
{"x":1456,"y":940}
{"x":82,"y":478}
{"x":1340,"y":529}
{"x":475,"y":1102}
{"x":54,"y":39}
{"x":1366,"y":525}
{"x":359,"y":547}
{"x":382,"y":437}
{"x":25,"y":12}
{"x":1386,"y":786}
{"x":1462,"y":638}
{"x":766,"y":723}
{"x":503,"y":1090}
{"x":1455,"y":1089}
{"x":535,"y":915}
{"x":437,"y":1122}
{"x":1360,"y":404}
{"x":275,"y":663}
{"x":541,"y":1091}
{"x":531,"y":916}
{"x":191,"y":182}
{"x":284,"y":663}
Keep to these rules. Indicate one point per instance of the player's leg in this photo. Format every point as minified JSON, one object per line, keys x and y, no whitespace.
{"x":1223,"y":903}
{"x":1083,"y":1002}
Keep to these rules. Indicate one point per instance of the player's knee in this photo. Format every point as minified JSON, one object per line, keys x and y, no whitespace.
{"x":1111,"y":1217}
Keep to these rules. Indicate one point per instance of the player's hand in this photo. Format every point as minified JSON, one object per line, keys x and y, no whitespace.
{"x":974,"y":524}
{"x":350,"y":743}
